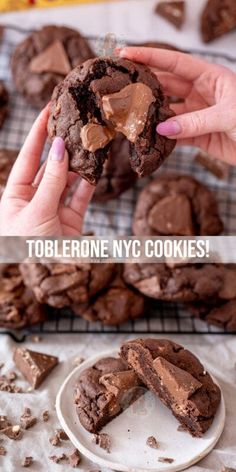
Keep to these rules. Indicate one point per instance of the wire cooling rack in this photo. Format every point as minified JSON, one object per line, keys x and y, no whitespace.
{"x":115,"y":217}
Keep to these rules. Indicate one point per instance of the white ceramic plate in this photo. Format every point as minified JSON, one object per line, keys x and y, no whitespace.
{"x":129,"y":432}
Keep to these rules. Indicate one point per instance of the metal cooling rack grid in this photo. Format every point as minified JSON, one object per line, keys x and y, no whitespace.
{"x":115,"y":218}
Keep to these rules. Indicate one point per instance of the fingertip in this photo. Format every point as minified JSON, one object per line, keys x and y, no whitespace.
{"x":169,"y":128}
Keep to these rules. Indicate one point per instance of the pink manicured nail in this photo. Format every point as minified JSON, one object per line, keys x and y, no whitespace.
{"x":169,"y":128}
{"x":57,"y":150}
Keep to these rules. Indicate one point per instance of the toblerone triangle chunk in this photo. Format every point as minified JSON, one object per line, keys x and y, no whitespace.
{"x":53,"y":59}
{"x":34,"y":366}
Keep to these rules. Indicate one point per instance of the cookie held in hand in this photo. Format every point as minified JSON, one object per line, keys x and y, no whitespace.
{"x":101,"y":98}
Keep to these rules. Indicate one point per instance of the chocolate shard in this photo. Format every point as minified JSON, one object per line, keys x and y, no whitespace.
{"x":218,"y":18}
{"x":172,"y":215}
{"x":34,"y":366}
{"x":178,"y":382}
{"x":53,"y":59}
{"x":74,"y":458}
{"x":174,"y":12}
{"x":103,"y":440}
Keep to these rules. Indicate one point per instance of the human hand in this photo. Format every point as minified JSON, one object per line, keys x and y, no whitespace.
{"x":207,"y":116}
{"x":33,"y":203}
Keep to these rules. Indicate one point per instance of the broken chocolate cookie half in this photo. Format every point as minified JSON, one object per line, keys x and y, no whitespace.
{"x":104,"y":390}
{"x":103,"y":97}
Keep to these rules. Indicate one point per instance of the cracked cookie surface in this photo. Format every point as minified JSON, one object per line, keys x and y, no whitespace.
{"x":60,"y":285}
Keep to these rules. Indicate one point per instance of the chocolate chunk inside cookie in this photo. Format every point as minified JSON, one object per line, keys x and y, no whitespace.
{"x":101,"y":98}
{"x":177,"y":377}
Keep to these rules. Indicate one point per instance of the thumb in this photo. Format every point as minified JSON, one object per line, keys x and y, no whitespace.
{"x":190,"y":125}
{"x":54,"y":180}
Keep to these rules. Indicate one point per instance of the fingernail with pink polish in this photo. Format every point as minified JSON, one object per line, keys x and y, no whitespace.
{"x":57,"y":150}
{"x":169,"y":128}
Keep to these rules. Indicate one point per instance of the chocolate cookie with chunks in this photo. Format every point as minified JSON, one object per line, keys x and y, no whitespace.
{"x":7,"y":159}
{"x":176,"y":205}
{"x":18,"y":306}
{"x":117,"y":175}
{"x":104,"y":391}
{"x":60,"y":285}
{"x":43,"y":60}
{"x":4,"y":103}
{"x":218,"y":18}
{"x":101,"y":98}
{"x":178,"y":378}
{"x":183,"y":283}
{"x":115,"y":305}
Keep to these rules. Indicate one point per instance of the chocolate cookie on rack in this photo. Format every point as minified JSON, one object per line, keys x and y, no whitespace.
{"x":178,"y":378}
{"x":44,"y":58}
{"x":176,"y":205}
{"x":219,"y":313}
{"x":116,"y":304}
{"x":18,"y":306}
{"x":4,"y":103}
{"x":182,"y":283}
{"x":60,"y":285}
{"x":101,"y":98}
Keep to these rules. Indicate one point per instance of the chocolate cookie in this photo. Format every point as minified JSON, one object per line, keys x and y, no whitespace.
{"x":176,"y":205}
{"x":4,"y":103}
{"x":104,"y":391}
{"x":217,"y":313}
{"x":60,"y":285}
{"x":117,"y":176}
{"x":104,"y":96}
{"x":174,"y":12}
{"x":115,"y":305}
{"x":18,"y":306}
{"x":218,"y":18}
{"x":44,"y":58}
{"x":178,"y":378}
{"x":182,"y":283}
{"x":7,"y":159}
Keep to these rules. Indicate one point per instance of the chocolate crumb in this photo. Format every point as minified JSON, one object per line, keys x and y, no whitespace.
{"x":13,"y":432}
{"x":181,"y":428}
{"x":7,"y":385}
{"x":55,"y":440}
{"x":62,"y":435}
{"x":4,"y":422}
{"x":27,"y":420}
{"x":58,"y":459}
{"x":166,"y":460}
{"x":74,"y":458}
{"x":152,"y":442}
{"x":2,"y":451}
{"x":103,"y":440}
{"x":27,"y":461}
{"x":78,"y":360}
{"x":45,"y":416}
